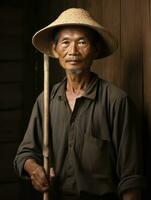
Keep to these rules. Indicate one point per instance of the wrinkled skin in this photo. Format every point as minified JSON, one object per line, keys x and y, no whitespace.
{"x":38,"y":176}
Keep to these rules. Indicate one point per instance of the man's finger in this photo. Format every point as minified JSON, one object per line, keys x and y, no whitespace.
{"x":39,"y":187}
{"x":52,"y":172}
{"x":39,"y":176}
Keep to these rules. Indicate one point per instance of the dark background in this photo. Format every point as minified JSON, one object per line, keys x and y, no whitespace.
{"x":21,"y":71}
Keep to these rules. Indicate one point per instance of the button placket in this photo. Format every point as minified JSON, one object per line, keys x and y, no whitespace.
{"x":71,"y":140}
{"x":70,"y":170}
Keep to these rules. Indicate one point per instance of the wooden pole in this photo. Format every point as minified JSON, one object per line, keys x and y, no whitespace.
{"x":46,"y":122}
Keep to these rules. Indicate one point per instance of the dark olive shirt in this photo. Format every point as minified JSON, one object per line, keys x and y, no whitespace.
{"x":97,"y":148}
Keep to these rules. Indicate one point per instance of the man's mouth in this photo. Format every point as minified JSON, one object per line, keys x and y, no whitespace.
{"x":73,"y":61}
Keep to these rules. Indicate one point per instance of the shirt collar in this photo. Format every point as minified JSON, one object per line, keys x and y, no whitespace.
{"x":90,"y":92}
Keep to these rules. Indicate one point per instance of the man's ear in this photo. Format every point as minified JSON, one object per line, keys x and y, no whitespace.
{"x":54,"y":51}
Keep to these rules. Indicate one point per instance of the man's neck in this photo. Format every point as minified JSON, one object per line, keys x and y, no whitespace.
{"x":78,"y":82}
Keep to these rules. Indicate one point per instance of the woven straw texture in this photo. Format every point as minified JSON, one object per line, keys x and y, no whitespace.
{"x":42,"y":39}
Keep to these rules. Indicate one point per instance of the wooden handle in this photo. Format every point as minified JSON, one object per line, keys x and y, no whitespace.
{"x":46,"y":121}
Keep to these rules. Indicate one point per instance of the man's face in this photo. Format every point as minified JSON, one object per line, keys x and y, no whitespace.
{"x":74,"y":49}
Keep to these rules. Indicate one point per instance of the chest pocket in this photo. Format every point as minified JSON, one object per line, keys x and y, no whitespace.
{"x":97,"y":156}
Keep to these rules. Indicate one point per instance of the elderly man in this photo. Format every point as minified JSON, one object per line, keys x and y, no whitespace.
{"x":96,"y":147}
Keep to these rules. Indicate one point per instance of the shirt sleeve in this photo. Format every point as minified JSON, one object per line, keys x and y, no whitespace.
{"x":128,"y":142}
{"x":31,"y":146}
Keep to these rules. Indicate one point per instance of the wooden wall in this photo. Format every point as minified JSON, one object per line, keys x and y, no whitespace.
{"x":146,"y":76}
{"x":16,"y":90}
{"x":21,"y":72}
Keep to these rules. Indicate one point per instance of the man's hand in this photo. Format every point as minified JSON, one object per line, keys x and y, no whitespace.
{"x":38,"y":176}
{"x":133,"y":194}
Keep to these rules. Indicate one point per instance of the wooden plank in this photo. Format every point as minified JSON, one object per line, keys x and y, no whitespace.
{"x":12,"y":30}
{"x":147,"y":95}
{"x":7,"y":154}
{"x":11,"y":20}
{"x":147,"y":61}
{"x":12,"y":48}
{"x":14,"y":3}
{"x":12,"y":71}
{"x":11,"y":14}
{"x":16,"y":89}
{"x":131,"y":49}
{"x":86,"y":4}
{"x":68,"y":4}
{"x":109,"y":67}
{"x":21,"y":190}
{"x":11,"y":96}
{"x":107,"y":13}
{"x":10,"y":191}
{"x":11,"y":128}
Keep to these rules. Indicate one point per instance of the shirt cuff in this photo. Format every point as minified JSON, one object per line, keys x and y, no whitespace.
{"x":19,"y":166}
{"x":131,"y":182}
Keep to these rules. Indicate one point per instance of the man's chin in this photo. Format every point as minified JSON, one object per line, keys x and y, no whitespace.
{"x":74,"y":71}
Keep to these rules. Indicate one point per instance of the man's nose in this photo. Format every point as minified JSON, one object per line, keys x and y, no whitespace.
{"x":73,"y":49}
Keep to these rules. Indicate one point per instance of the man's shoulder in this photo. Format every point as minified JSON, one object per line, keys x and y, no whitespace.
{"x":57,"y":87}
{"x":52,"y":92}
{"x":112,"y":91}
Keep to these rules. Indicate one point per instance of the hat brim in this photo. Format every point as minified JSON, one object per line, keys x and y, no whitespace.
{"x":43,"y":41}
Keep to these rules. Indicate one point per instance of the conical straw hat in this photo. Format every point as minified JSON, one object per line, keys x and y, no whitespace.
{"x":42,"y":40}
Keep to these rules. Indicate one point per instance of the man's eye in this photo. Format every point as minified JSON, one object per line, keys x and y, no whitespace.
{"x":82,"y":43}
{"x":65,"y":42}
